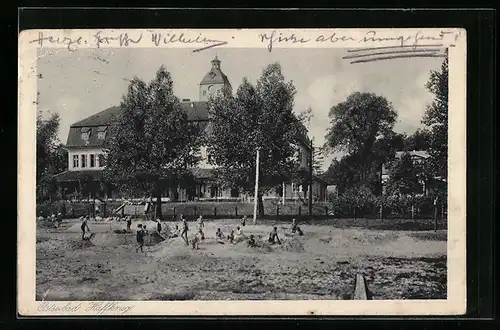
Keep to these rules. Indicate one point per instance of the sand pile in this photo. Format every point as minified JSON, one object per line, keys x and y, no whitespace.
{"x":261,"y":247}
{"x":81,"y":244}
{"x":293,"y":245}
{"x":112,"y":239}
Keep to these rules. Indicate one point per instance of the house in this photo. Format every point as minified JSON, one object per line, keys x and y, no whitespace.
{"x":417,"y":157}
{"x":86,"y":140}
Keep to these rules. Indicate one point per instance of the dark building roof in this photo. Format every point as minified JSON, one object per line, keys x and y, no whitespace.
{"x":215,"y":75}
{"x":70,"y":176}
{"x":196,"y":111}
{"x":202,"y":173}
{"x":102,"y":118}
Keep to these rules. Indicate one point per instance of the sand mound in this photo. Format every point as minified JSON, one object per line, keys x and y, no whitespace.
{"x":261,"y":247}
{"x":81,"y":244}
{"x":293,"y":245}
{"x":112,"y":239}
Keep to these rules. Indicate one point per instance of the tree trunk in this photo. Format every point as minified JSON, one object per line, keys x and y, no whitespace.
{"x":260,"y":205}
{"x":158,"y":213}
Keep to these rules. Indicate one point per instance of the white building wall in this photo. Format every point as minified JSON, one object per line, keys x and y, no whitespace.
{"x":84,"y":152}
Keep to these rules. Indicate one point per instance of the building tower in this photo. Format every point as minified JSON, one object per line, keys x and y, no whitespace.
{"x":213,"y":82}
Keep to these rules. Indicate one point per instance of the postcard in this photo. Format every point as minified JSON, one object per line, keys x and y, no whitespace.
{"x":242,"y":172}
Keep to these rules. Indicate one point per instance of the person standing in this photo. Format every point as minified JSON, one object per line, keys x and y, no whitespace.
{"x":84,"y":226}
{"x":200,"y":223}
{"x":184,"y":230}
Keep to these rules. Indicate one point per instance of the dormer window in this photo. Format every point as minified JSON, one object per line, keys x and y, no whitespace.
{"x":101,"y":132}
{"x":85,"y":133}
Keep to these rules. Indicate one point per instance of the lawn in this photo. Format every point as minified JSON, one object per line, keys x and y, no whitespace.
{"x":399,"y":259}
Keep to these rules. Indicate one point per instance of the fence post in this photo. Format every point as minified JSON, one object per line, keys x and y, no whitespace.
{"x":300,"y":210}
{"x":435,"y":218}
{"x":195,"y":211}
{"x":236,"y":210}
{"x":277,"y":209}
{"x":381,"y":211}
{"x":215,"y":211}
{"x":174,"y":212}
{"x":326,"y":210}
{"x":442,"y":212}
{"x":412,"y":212}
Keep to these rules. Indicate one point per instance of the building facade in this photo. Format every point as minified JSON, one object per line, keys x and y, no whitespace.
{"x":86,"y":155}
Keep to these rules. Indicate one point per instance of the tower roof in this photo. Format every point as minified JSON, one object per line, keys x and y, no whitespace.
{"x":215,"y":75}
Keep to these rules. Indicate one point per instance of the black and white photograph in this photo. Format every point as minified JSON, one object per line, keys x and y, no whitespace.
{"x":215,"y":171}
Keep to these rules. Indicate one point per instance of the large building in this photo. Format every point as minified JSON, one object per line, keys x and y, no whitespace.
{"x":86,"y":159}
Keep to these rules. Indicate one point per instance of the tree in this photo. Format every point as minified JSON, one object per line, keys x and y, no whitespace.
{"x":357,"y":125}
{"x":51,"y":157}
{"x":153,"y":144}
{"x":436,"y":118}
{"x":420,"y":140}
{"x":256,"y":117}
{"x":404,"y":177}
{"x":358,"y":198}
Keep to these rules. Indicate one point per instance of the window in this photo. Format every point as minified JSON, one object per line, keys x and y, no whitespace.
{"x":84,"y":161}
{"x":102,"y":160}
{"x":75,"y":161}
{"x":101,"y":132}
{"x":85,"y":133}
{"x":92,"y":160}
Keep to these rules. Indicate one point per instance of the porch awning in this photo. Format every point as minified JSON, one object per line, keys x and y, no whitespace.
{"x":69,"y":176}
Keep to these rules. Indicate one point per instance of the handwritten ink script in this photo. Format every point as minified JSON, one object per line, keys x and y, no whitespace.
{"x":101,"y":38}
{"x":370,"y":38}
{"x":97,"y":307}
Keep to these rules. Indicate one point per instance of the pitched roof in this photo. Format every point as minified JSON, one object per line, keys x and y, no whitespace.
{"x":99,"y":119}
{"x":417,"y":153}
{"x":202,"y":173}
{"x":67,"y":176}
{"x":215,"y":76}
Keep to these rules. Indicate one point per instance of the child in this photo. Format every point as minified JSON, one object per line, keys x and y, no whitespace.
{"x":273,"y":236}
{"x":238,"y":231}
{"x":296,"y":228}
{"x":140,"y":238}
{"x":129,"y":222}
{"x":251,"y":241}
{"x":244,"y":220}
{"x":219,"y":234}
{"x":200,"y":225}
{"x":230,"y":237}
{"x":184,"y":230}
{"x":158,"y":226}
{"x":195,"y":241}
{"x":84,"y":226}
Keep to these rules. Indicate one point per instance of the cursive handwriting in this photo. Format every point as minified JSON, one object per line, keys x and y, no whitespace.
{"x":70,"y":43}
{"x":123,"y":39}
{"x":371,"y":37}
{"x":273,"y":37}
{"x":97,"y":307}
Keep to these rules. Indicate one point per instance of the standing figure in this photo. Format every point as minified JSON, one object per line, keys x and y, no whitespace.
{"x":296,"y":228}
{"x":200,"y":223}
{"x":140,"y":238}
{"x":129,"y":222}
{"x":273,"y":236}
{"x":184,"y":230}
{"x":244,"y":220}
{"x":158,"y":226}
{"x":85,"y":226}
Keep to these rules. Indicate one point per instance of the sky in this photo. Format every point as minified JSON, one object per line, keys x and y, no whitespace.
{"x":81,"y":83}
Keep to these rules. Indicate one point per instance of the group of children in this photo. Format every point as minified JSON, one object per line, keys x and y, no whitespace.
{"x":233,"y":237}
